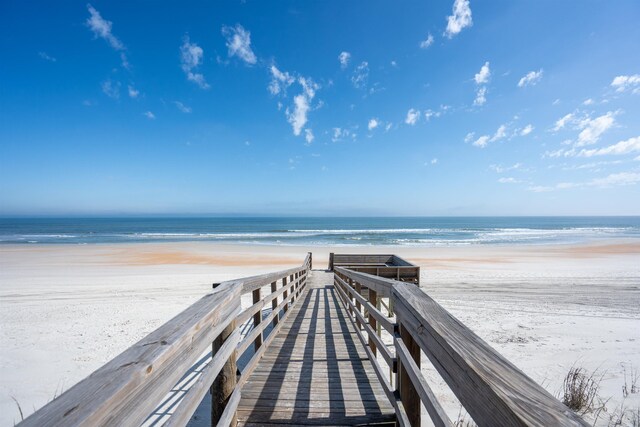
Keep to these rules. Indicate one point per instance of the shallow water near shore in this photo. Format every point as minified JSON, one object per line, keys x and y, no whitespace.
{"x":366,"y":231}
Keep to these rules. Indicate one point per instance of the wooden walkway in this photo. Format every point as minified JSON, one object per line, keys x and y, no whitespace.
{"x":315,"y":372}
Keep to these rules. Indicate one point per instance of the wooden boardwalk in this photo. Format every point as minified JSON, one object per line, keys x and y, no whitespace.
{"x":315,"y":372}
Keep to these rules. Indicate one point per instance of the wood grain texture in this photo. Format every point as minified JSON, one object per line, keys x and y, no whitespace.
{"x":127,"y":389}
{"x":313,"y":372}
{"x":492,"y":389}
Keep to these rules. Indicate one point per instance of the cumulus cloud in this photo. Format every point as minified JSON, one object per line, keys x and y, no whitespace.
{"x":133,"y":92}
{"x":427,"y":42}
{"x":239,"y":43}
{"x":624,"y":83}
{"x":481,"y":142}
{"x":344,"y":59}
{"x":483,"y":76}
{"x":526,"y":130}
{"x":413,"y":116}
{"x":297,"y":117}
{"x":361,"y":75}
{"x":149,"y":115}
{"x":562,"y":122}
{"x":373,"y":123}
{"x":434,"y":161}
{"x":280,"y":81}
{"x":308,"y":136}
{"x":460,"y":18}
{"x":469,"y":137}
{"x":111,"y":88}
{"x":184,"y":108}
{"x":190,"y":58}
{"x":481,"y":96}
{"x":531,"y":78}
{"x":484,"y":140}
{"x":102,"y":28}
{"x":631,"y":145}
{"x":592,"y":129}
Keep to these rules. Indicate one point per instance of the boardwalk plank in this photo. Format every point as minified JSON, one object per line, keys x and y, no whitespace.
{"x":315,"y":372}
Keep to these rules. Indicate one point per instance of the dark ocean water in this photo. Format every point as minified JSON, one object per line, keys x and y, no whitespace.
{"x":423,"y":231}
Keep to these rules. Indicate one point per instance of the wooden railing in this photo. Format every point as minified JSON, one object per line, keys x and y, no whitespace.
{"x":492,"y":390}
{"x":128,"y":389}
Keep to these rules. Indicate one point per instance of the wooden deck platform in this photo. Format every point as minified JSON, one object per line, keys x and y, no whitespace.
{"x":315,"y":372}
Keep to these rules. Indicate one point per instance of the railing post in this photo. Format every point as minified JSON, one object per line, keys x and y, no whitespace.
{"x":225,"y":382}
{"x":408,"y":394}
{"x":358,"y":306}
{"x":349,"y":294}
{"x":310,"y":261}
{"x":373,"y":299}
{"x":274,"y":303}
{"x":331,"y":261}
{"x":285,"y":294}
{"x":257,"y":319}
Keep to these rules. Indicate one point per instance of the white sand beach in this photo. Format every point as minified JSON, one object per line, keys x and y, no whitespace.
{"x":68,"y":309}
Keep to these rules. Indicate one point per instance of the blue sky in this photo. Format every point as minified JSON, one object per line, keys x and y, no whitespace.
{"x":320,"y":108}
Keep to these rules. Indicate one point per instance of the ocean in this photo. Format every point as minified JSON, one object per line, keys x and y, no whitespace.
{"x":421,"y":231}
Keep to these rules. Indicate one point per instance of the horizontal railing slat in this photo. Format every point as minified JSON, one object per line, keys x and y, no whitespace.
{"x":428,"y":398}
{"x":129,"y":387}
{"x":181,"y":416}
{"x":492,"y":389}
{"x":387,"y":322}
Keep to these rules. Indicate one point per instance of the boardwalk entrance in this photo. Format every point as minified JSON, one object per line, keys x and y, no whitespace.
{"x":315,"y":372}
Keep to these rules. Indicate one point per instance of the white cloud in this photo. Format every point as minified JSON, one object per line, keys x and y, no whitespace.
{"x":239,"y":43}
{"x":46,"y":57}
{"x":111,"y":89}
{"x":508,"y":180}
{"x":133,"y":92}
{"x":280,"y":81}
{"x":622,"y":83}
{"x":308,"y":136}
{"x":191,"y":57}
{"x":630,"y":145}
{"x":469,"y":137}
{"x":589,"y":101}
{"x":184,"y":108}
{"x":481,"y":96}
{"x":373,"y":123}
{"x":460,"y":19}
{"x":344,"y":59}
{"x":592,"y":129}
{"x":298,"y":117}
{"x":483,"y":76}
{"x":501,"y":133}
{"x":501,"y":169}
{"x":413,"y":116}
{"x":301,"y":105}
{"x":612,"y":180}
{"x":526,"y":130}
{"x":562,"y":122}
{"x":428,"y":114}
{"x":149,"y":115}
{"x":556,"y":102}
{"x":531,"y":78}
{"x":481,"y":142}
{"x":427,"y":42}
{"x":434,"y":161}
{"x":102,"y":28}
{"x":361,"y":75}
{"x":484,"y":140}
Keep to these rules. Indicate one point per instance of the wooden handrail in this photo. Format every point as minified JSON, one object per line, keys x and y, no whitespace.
{"x":126,"y":390}
{"x":493,"y":391}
